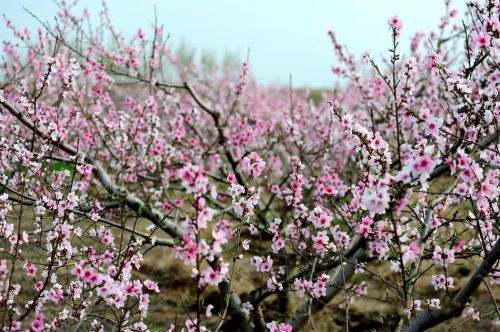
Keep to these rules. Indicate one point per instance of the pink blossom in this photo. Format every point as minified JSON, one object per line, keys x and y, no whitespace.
{"x":481,"y":39}
{"x":214,"y":277}
{"x":192,"y":326}
{"x":320,"y":286}
{"x":302,"y":286}
{"x":151,"y":285}
{"x":208,"y":310}
{"x":364,"y":227}
{"x":375,"y":200}
{"x":411,"y":252}
{"x":90,"y":276}
{"x":143,"y":302}
{"x":443,"y":257}
{"x":85,"y":170}
{"x":30,"y":269}
{"x":417,"y":305}
{"x":231,"y":178}
{"x":193,"y":179}
{"x":37,"y":325}
{"x":473,"y":313}
{"x":362,"y":289}
{"x":189,"y":250}
{"x":262,"y":264}
{"x":434,"y":303}
{"x":15,"y":326}
{"x":423,"y":165}
{"x":441,"y":282}
{"x":278,"y":244}
{"x":320,"y":217}
{"x":253,"y":165}
{"x":281,"y":327}
{"x":396,"y":24}
{"x":56,"y":293}
{"x":320,"y":242}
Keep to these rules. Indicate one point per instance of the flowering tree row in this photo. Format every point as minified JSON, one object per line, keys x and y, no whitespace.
{"x":111,"y":147}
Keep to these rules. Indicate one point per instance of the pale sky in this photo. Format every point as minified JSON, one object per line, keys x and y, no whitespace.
{"x":284,"y":36}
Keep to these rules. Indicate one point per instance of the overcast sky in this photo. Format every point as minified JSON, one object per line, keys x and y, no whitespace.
{"x":284,"y":36}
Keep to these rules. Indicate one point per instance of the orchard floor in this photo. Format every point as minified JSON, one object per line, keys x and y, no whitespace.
{"x":365,"y":314}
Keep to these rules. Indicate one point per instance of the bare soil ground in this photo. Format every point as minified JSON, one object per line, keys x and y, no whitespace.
{"x":365,"y":314}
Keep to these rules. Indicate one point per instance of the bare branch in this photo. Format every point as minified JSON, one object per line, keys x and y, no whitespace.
{"x":428,"y":319}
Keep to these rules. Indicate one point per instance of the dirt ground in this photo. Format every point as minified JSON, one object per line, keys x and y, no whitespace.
{"x":365,"y":314}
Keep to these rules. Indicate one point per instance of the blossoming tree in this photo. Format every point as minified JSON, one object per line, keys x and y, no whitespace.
{"x":111,"y":147}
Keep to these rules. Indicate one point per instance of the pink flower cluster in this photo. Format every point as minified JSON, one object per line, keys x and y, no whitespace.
{"x":253,"y":165}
